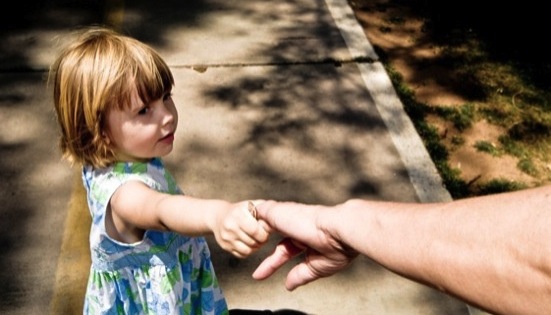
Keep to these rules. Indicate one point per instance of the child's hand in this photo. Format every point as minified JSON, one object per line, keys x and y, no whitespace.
{"x":238,"y":231}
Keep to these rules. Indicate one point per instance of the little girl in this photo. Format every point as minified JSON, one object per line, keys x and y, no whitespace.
{"x":113,"y":101}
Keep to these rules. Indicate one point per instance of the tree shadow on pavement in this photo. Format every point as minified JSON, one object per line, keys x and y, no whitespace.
{"x":300,"y":106}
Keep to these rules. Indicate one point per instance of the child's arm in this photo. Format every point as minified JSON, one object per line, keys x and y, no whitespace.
{"x":134,"y":208}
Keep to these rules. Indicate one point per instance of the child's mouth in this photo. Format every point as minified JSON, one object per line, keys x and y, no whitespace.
{"x":168,"y":138}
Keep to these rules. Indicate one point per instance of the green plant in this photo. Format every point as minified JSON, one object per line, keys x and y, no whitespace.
{"x":506,"y":86}
{"x":512,"y":147}
{"x":527,"y":166}
{"x":462,"y":117}
{"x":488,"y":147}
{"x":498,"y":186}
{"x":457,"y":187}
{"x":457,"y":140}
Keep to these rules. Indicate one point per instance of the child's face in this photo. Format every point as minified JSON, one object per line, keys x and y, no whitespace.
{"x":143,"y":131}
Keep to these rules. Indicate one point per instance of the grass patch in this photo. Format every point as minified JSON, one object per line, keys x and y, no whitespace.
{"x":527,"y":166}
{"x":512,"y":147}
{"x":462,"y":117}
{"x":508,"y":86}
{"x":417,"y":111}
{"x":457,"y":140}
{"x":498,"y":186}
{"x":488,"y":147}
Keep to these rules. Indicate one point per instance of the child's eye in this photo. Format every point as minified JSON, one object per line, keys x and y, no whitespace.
{"x":144,"y":110}
{"x":167,"y":96}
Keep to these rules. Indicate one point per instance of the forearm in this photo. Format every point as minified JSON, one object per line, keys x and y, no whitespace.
{"x":190,"y":216}
{"x":490,"y":251}
{"x":136,"y":208}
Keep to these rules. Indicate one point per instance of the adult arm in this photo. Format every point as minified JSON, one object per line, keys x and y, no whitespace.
{"x":493,"y":251}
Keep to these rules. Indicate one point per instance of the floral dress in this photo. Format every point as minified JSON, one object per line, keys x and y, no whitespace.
{"x":165,"y":273}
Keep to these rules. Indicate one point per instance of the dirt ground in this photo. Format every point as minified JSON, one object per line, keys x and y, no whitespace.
{"x":410,"y":50}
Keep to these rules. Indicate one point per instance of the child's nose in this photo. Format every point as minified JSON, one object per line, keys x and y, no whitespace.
{"x":167,"y":115}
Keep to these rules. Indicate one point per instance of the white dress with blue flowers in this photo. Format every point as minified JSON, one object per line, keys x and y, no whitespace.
{"x":165,"y":273}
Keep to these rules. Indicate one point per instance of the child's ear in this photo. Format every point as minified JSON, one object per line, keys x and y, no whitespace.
{"x":105,"y":137}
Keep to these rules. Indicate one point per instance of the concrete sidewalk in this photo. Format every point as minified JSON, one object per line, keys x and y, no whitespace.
{"x":277,"y":100}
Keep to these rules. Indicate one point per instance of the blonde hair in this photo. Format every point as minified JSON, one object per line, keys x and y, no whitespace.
{"x":98,"y":72}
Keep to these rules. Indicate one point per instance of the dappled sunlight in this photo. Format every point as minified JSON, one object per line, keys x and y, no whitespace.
{"x":34,"y":190}
{"x":323,"y":143}
{"x":269,"y":108}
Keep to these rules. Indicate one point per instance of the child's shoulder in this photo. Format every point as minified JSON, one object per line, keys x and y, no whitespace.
{"x":124,"y":168}
{"x":151,"y":172}
{"x":124,"y":171}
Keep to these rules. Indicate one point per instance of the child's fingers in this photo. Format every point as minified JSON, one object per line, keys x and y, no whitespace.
{"x":262,"y":230}
{"x":250,"y":234}
{"x":252,"y":209}
{"x":263,"y":224}
{"x":241,"y":249}
{"x":255,"y":239}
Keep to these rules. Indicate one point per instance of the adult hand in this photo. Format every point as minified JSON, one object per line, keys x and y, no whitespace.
{"x":306,"y":230}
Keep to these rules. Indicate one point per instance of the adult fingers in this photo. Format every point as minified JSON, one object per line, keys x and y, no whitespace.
{"x":288,"y":218}
{"x":283,"y":252}
{"x":300,"y":275}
